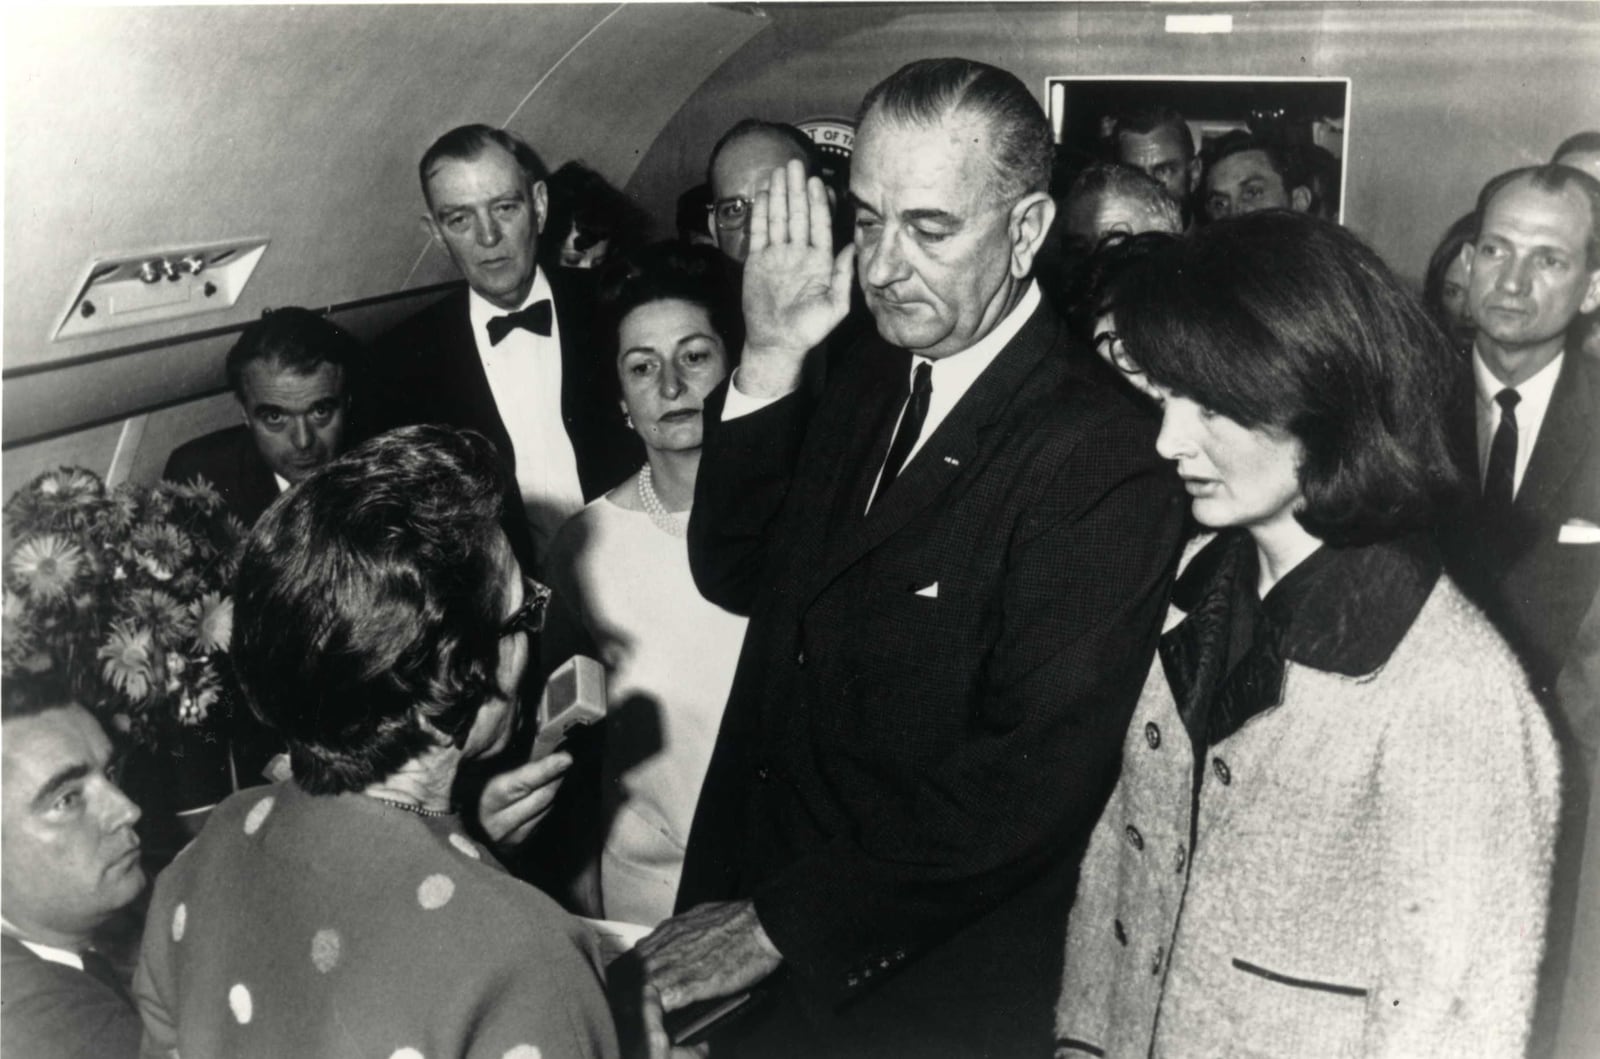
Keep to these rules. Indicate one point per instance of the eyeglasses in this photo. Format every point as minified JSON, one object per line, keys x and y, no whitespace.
{"x":1109,"y":345}
{"x":530,"y":616}
{"x":731,"y":214}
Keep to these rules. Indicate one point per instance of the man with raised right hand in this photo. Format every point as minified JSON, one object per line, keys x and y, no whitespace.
{"x":956,"y":561}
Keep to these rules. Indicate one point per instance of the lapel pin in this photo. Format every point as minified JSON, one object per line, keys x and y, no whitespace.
{"x":952,"y":461}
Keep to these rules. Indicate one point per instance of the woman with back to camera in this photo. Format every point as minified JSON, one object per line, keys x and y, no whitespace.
{"x":1336,"y":772}
{"x":620,"y":573}
{"x":381,"y":627}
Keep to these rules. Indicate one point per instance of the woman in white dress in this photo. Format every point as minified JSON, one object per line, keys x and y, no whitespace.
{"x":620,"y":573}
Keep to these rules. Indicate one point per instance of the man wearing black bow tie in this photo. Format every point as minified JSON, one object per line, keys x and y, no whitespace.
{"x":509,"y":356}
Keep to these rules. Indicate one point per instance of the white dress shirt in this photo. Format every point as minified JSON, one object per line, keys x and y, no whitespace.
{"x":524,"y":373}
{"x":65,"y":957}
{"x":952,"y":376}
{"x":1534,"y":393}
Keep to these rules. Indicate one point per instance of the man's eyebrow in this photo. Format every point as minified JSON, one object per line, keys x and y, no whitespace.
{"x":70,"y":774}
{"x":263,"y":408}
{"x":937,"y":216}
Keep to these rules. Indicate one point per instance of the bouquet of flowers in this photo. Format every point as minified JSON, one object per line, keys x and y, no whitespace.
{"x":126,"y":593}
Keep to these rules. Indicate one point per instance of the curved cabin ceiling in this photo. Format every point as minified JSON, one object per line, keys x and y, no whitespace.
{"x":129,"y":129}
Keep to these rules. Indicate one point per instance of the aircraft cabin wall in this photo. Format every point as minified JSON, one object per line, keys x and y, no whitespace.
{"x":142,"y":129}
{"x":135,"y":129}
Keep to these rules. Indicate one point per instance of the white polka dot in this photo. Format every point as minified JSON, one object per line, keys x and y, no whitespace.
{"x":523,"y":1051}
{"x":180,"y":919}
{"x":464,"y":844}
{"x":406,"y":1053}
{"x":435,"y":892}
{"x":257,"y":815}
{"x":239,"y":1001}
{"x":325,"y":946}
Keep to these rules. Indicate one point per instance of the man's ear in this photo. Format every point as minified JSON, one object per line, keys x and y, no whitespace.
{"x":1468,"y":253}
{"x":1300,"y":199}
{"x":711,"y":226}
{"x":1591,"y":298}
{"x":541,"y":203}
{"x":430,"y":228}
{"x":1194,"y":174}
{"x":1030,"y":223}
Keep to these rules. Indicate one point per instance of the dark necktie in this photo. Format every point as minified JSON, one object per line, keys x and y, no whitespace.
{"x":1500,"y":478}
{"x":535,"y":318}
{"x":910,"y":426}
{"x":98,"y":967}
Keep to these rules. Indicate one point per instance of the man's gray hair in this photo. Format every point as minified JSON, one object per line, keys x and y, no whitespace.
{"x":1126,"y":182}
{"x":926,"y":92}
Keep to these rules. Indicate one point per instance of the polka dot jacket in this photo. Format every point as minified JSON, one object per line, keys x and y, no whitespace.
{"x":340,"y":926}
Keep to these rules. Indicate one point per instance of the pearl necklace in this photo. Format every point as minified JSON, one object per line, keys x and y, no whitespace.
{"x":666,"y":521}
{"x":409,"y":807}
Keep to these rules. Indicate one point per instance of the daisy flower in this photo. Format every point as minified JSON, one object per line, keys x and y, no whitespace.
{"x":199,"y":492}
{"x":78,"y":486}
{"x":129,"y":660}
{"x":46,"y":567}
{"x":158,"y":612}
{"x":213,"y":614}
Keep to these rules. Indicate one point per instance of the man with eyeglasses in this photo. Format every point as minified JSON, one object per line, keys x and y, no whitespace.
{"x":740,"y":163}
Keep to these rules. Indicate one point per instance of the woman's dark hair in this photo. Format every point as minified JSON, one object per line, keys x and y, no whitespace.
{"x":583,"y":199}
{"x":370,"y":594}
{"x":664,"y":271}
{"x":1458,"y":235}
{"x":1096,"y":288}
{"x":1285,"y":321}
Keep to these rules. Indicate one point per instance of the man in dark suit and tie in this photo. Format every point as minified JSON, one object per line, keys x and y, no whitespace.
{"x":955,"y":562}
{"x":1526,"y":543}
{"x":70,"y":862}
{"x":1528,"y":424}
{"x":510,"y":356}
{"x":293,"y":372}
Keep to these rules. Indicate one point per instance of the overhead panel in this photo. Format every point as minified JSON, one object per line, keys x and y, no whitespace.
{"x":127,"y":290}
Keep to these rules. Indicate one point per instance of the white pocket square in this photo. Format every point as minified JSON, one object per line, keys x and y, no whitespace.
{"x":1578,"y":531}
{"x":932,"y":591}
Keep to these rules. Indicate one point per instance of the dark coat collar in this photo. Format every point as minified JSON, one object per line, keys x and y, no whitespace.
{"x":1342,"y":610}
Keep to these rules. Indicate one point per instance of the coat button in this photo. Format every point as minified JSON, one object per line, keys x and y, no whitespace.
{"x":852,"y":980}
{"x":1120,"y":931}
{"x":1155,"y":964}
{"x":763,"y":773}
{"x":1135,"y":839}
{"x":1220,"y":767}
{"x":1152,"y":735}
{"x":1180,"y":859}
{"x":800,"y":658}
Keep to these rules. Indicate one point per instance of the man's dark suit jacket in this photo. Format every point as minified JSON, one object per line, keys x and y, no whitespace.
{"x":51,"y":1011}
{"x":427,"y":370}
{"x":229,"y":460}
{"x":1537,"y":591}
{"x":1535,"y":588}
{"x":930,"y":705}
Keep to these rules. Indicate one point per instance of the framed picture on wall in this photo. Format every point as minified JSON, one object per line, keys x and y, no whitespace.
{"x":1304,"y":120}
